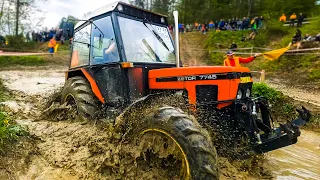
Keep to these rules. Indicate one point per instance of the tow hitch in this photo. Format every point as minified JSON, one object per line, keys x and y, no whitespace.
{"x":263,"y":134}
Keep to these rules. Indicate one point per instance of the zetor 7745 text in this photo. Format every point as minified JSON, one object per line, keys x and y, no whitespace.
{"x":124,"y":60}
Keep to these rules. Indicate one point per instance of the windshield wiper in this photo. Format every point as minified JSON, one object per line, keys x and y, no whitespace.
{"x":151,"y":50}
{"x":157,"y":36}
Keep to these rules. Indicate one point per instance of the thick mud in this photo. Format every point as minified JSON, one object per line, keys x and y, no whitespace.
{"x":61,"y":148}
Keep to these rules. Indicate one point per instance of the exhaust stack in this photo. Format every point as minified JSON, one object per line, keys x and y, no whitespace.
{"x":176,"y":31}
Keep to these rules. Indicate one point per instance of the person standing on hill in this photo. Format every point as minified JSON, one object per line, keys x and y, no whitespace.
{"x":293,"y":18}
{"x":233,"y":61}
{"x":283,"y":18}
{"x":300,"y":20}
{"x":52,"y":43}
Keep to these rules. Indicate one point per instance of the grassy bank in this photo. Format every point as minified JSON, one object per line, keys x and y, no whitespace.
{"x":6,"y":61}
{"x":305,"y":67}
{"x":4,"y":94}
{"x":9,"y":130}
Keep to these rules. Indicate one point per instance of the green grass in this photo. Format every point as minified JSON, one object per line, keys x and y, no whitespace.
{"x":306,"y":67}
{"x":6,"y":61}
{"x":9,"y":132}
{"x":282,"y":107}
{"x":4,"y":94}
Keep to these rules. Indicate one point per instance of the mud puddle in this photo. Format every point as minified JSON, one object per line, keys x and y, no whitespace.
{"x":33,"y":82}
{"x":299,"y":161}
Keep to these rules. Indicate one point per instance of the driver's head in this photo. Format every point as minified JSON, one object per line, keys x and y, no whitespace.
{"x":230,"y":55}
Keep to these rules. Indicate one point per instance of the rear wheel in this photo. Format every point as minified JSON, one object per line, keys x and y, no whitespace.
{"x":77,"y":92}
{"x":169,"y":133}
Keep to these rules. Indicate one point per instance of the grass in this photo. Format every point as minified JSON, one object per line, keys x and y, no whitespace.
{"x":4,"y":94}
{"x":6,"y":61}
{"x":9,"y":132}
{"x":305,"y":67}
{"x":283,"y":108}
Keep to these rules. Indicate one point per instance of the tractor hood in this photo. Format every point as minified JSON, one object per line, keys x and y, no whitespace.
{"x":194,"y":73}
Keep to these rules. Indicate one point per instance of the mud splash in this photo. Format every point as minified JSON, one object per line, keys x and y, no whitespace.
{"x":299,"y":161}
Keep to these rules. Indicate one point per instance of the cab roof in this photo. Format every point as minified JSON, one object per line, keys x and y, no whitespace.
{"x":128,"y":9}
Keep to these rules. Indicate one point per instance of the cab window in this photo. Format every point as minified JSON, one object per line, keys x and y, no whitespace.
{"x":81,"y":47}
{"x":104,"y":46}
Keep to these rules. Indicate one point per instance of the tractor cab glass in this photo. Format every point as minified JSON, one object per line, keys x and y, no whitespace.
{"x":146,"y":42}
{"x":103,"y":42}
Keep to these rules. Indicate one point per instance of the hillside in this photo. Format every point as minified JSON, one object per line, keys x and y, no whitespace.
{"x":302,"y":69}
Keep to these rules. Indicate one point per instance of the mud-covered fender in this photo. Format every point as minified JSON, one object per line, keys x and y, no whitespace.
{"x":139,"y":104}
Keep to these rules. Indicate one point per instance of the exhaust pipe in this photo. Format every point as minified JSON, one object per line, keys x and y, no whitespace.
{"x":176,"y":31}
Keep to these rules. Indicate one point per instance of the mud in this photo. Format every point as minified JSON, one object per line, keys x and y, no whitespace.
{"x":305,"y":95}
{"x":299,"y":161}
{"x":61,"y":148}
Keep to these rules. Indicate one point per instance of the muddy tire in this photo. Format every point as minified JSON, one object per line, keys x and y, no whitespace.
{"x":193,"y":141}
{"x":77,"y":92}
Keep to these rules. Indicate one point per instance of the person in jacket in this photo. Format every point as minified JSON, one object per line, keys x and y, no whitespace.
{"x":293,"y":18}
{"x":233,"y":61}
{"x":300,"y":20}
{"x":52,"y":43}
{"x":283,"y":18}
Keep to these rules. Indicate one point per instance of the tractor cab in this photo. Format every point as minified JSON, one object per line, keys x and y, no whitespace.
{"x":117,"y":47}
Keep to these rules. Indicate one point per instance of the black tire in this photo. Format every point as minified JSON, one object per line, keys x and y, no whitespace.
{"x":194,"y":141}
{"x":77,"y":91}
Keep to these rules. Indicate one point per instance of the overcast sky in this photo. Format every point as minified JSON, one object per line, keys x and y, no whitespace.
{"x":56,"y":9}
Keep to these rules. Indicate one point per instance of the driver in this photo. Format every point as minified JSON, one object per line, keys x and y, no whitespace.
{"x":110,"y":53}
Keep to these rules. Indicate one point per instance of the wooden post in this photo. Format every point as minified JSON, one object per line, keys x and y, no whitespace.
{"x":263,"y":76}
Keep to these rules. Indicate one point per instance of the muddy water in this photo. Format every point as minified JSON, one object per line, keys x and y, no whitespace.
{"x":33,"y":82}
{"x":299,"y":161}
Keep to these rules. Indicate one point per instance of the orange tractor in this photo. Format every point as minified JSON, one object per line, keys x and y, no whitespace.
{"x":124,"y":57}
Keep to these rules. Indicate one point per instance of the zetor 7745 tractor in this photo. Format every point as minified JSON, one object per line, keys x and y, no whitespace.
{"x":124,"y":62}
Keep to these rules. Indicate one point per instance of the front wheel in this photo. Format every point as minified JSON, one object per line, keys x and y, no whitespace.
{"x":168,"y":133}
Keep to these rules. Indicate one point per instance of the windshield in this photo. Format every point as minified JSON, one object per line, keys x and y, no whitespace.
{"x":145,"y":42}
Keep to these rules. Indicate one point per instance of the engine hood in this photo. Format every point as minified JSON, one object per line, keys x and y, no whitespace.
{"x":198,"y":70}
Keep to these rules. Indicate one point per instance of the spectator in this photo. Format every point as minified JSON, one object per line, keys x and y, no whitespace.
{"x":203,"y":29}
{"x":283,"y":18}
{"x":293,"y":18}
{"x":308,"y":38}
{"x":52,"y":43}
{"x":300,"y":20}
{"x":239,"y":24}
{"x":196,"y":25}
{"x":234,"y":46}
{"x":296,"y":39}
{"x":211,"y":25}
{"x":254,"y":26}
{"x":317,"y":37}
{"x":260,"y":22}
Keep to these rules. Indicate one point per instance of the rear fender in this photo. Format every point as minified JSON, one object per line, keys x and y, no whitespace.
{"x":94,"y":87}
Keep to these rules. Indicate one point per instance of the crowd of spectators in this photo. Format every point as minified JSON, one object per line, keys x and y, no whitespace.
{"x":45,"y":36}
{"x":233,"y":24}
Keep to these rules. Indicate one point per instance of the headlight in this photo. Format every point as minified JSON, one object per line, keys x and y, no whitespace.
{"x":248,"y":93}
{"x":239,"y":95}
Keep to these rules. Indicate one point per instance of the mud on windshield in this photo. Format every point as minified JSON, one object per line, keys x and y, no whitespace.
{"x":146,"y":42}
